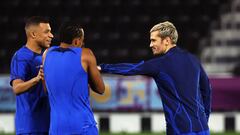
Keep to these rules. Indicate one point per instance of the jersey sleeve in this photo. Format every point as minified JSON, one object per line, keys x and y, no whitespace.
{"x":141,"y":68}
{"x":19,"y":68}
{"x":206,"y":92}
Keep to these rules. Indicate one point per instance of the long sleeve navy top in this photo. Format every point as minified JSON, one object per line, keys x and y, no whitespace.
{"x":183,"y":85}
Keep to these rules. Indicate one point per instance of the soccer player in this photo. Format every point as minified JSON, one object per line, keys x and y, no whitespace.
{"x":182,"y":82}
{"x":32,"y":105}
{"x":68,"y":69}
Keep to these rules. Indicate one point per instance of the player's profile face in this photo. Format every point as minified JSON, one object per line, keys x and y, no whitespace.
{"x":44,"y":35}
{"x":157,"y":43}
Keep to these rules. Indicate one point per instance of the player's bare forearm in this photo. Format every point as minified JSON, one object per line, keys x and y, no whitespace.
{"x":19,"y":86}
{"x":95,"y":79}
{"x":100,"y":89}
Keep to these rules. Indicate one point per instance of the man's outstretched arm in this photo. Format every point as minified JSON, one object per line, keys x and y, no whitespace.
{"x":141,"y":68}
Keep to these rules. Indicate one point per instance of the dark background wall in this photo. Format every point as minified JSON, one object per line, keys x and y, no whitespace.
{"x":116,"y":30}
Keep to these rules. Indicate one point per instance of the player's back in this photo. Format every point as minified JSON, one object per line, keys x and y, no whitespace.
{"x":67,"y":85}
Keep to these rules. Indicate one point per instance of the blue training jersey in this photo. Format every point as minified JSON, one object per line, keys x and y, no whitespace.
{"x":67,"y":85}
{"x":183,"y":86}
{"x":32,"y":107}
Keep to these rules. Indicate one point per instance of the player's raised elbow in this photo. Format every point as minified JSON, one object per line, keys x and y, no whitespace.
{"x":17,"y":90}
{"x":17,"y":86}
{"x":97,"y":85}
{"x":100,"y":89}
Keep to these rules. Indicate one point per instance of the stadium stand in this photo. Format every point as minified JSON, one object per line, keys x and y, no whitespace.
{"x":222,"y":56}
{"x":116,"y":30}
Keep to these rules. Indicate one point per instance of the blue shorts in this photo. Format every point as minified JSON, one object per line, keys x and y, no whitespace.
{"x":206,"y":132}
{"x":44,"y":133}
{"x":88,"y":130}
{"x":92,"y":130}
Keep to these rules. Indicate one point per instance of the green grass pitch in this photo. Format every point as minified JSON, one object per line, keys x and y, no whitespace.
{"x":227,"y":133}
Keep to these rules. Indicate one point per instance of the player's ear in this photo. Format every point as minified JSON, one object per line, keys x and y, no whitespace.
{"x":78,"y":42}
{"x":33,"y":34}
{"x":168,"y":40}
{"x":75,"y":42}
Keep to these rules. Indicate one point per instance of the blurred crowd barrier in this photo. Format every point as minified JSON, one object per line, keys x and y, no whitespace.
{"x":137,"y":94}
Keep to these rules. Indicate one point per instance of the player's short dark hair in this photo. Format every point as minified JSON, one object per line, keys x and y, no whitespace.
{"x":35,"y":20}
{"x":70,"y":30}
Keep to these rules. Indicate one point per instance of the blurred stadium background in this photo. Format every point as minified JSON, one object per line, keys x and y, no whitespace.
{"x":118,"y":31}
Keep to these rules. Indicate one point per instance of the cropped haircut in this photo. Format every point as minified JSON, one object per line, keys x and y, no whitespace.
{"x":34,"y":21}
{"x":70,"y":30}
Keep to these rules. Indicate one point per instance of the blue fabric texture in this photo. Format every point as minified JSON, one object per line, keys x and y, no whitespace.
{"x":67,"y":85}
{"x":32,"y":106}
{"x":183,"y":85}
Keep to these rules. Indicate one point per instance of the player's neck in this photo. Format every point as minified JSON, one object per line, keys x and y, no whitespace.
{"x":173,"y":45}
{"x":65,"y":45}
{"x":33,"y":46}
